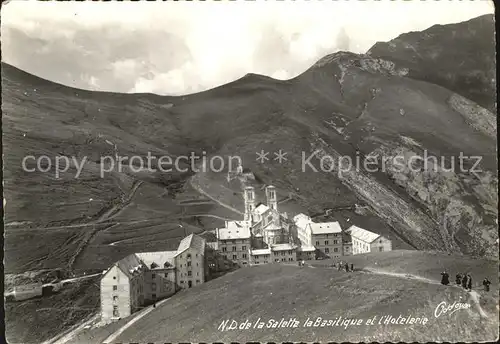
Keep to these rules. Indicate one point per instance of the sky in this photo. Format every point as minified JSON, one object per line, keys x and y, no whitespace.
{"x":175,"y":48}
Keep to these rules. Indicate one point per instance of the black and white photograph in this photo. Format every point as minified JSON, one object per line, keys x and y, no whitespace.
{"x":249,"y":171}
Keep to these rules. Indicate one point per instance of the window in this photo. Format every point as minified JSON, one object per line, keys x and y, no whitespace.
{"x":265,"y":262}
{"x":317,"y":242}
{"x":115,"y":287}
{"x":380,"y":241}
{"x":153,"y":296}
{"x":115,"y":311}
{"x":234,"y":248}
{"x":166,"y":274}
{"x":197,"y":281}
{"x":326,"y":242}
{"x":244,"y":255}
{"x":188,"y":263}
{"x":335,"y":249}
{"x":381,"y":249}
{"x":114,"y":277}
{"x":290,"y":259}
{"x":282,"y":253}
{"x":224,"y":249}
{"x":182,"y":282}
{"x":153,"y":286}
{"x":197,"y":274}
{"x":189,"y":256}
{"x":327,"y":250}
{"x":189,"y":273}
{"x":115,"y":298}
{"x":277,"y":260}
{"x":153,"y":276}
{"x":335,"y":242}
{"x":335,"y":235}
{"x":235,"y":257}
{"x":243,"y":248}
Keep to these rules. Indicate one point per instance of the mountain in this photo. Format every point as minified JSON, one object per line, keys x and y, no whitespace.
{"x":431,"y":56}
{"x":346,"y":105}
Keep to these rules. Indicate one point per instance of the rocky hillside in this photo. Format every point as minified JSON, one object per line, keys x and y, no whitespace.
{"x":346,"y":105}
{"x":431,"y":55}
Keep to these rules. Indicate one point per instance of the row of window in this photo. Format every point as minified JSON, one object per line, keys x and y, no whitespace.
{"x":235,"y":257}
{"x":243,"y":248}
{"x":335,"y":242}
{"x":329,"y":235}
{"x":188,"y":256}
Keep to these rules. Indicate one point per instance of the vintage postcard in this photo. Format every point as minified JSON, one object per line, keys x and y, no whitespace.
{"x":249,"y":171}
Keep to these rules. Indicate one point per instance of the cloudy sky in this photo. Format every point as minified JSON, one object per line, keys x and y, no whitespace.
{"x":179,"y":48}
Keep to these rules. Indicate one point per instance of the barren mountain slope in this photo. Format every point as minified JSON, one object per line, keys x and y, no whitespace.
{"x":345,"y":105}
{"x":431,"y":55}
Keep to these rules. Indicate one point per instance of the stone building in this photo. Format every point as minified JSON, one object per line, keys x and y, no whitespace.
{"x":190,"y":262}
{"x":145,"y":277}
{"x":364,"y":241}
{"x":159,"y":279}
{"x":327,"y":239}
{"x":122,"y":288}
{"x":234,"y":241}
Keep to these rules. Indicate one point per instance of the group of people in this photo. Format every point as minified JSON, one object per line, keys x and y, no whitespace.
{"x":343,"y":266}
{"x":302,"y":263}
{"x":464,"y":280}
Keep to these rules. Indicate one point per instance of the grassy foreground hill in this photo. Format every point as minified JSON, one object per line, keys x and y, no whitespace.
{"x":276,"y":291}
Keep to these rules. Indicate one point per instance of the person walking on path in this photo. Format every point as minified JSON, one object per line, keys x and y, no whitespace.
{"x":352,"y":267}
{"x":346,"y":267}
{"x":486,"y":284}
{"x":340,"y":266}
{"x":464,"y":281}
{"x":469,"y":282}
{"x":458,"y":279}
{"x":445,"y":278}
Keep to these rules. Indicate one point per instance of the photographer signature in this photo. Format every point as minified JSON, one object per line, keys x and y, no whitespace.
{"x":445,"y":308}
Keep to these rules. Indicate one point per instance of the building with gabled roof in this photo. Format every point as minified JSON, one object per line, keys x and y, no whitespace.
{"x":364,"y":241}
{"x":122,"y":288}
{"x":144,"y":277}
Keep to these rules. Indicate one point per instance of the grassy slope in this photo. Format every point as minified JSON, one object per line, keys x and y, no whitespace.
{"x":276,"y":291}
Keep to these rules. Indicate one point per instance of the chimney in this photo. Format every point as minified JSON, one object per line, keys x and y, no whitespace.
{"x":271,"y":197}
{"x":249,"y":196}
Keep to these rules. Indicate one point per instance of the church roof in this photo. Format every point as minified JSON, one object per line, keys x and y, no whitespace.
{"x":261,"y":209}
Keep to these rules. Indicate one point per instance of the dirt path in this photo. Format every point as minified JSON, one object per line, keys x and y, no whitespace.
{"x":473,"y":295}
{"x":72,"y":332}
{"x":106,"y":216}
{"x":139,"y":316}
{"x":203,"y":192}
